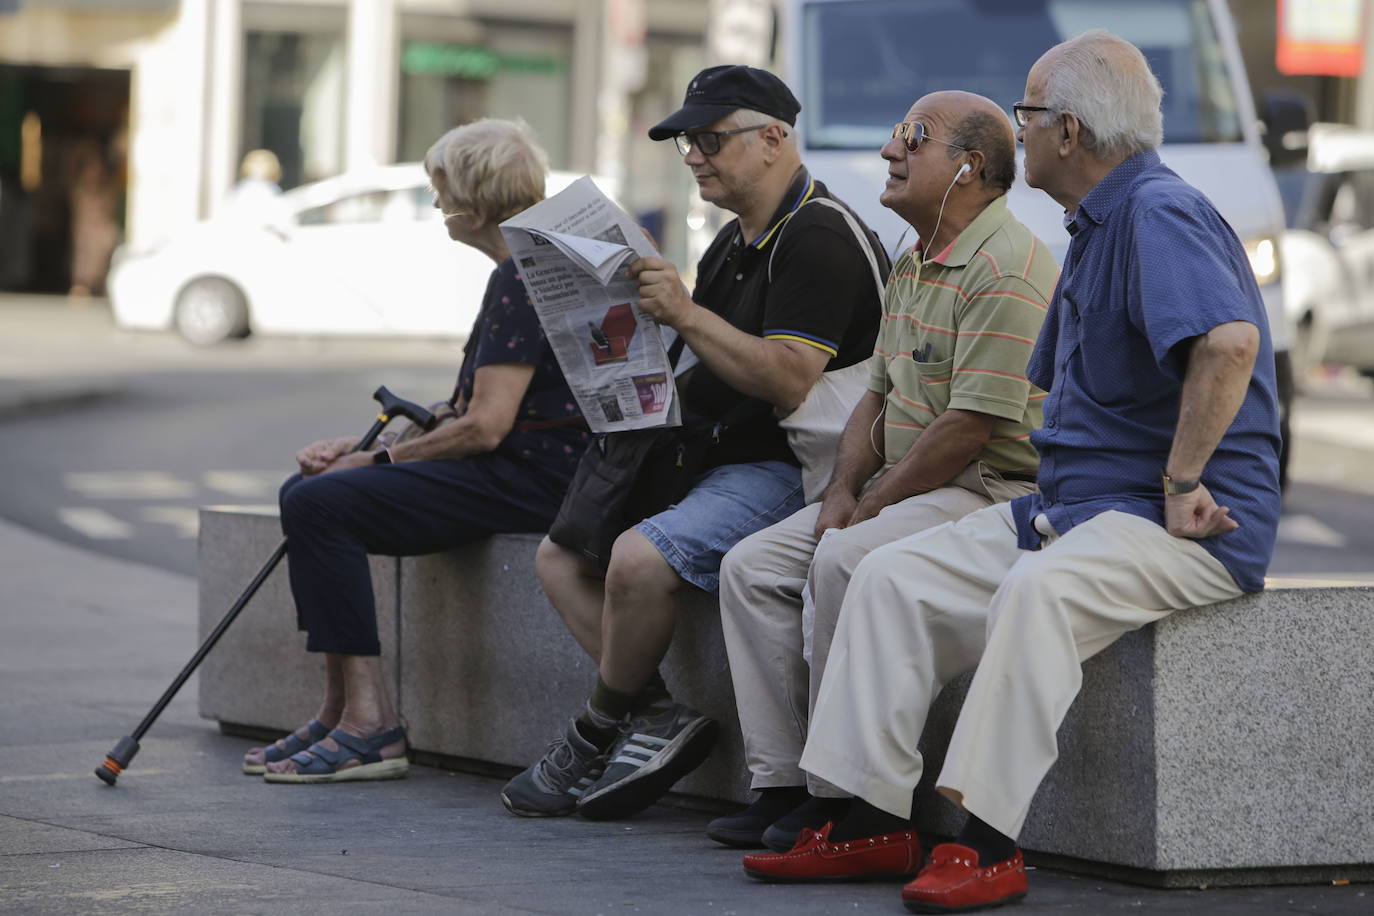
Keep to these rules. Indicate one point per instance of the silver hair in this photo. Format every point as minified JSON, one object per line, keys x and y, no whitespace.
{"x":1116,"y":96}
{"x":492,"y":166}
{"x":747,"y":117}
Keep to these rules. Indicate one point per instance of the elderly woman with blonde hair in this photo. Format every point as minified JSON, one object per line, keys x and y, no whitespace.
{"x":498,"y":462}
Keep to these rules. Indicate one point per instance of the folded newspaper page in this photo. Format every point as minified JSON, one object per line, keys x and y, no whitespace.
{"x":572,"y":250}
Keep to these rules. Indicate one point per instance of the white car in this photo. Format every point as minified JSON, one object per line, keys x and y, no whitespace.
{"x":1328,"y":249}
{"x":364,"y":253}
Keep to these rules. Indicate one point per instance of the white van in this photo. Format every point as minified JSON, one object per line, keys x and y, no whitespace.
{"x":857,"y":65}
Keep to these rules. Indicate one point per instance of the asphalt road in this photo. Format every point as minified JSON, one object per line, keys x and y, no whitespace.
{"x":174,"y":427}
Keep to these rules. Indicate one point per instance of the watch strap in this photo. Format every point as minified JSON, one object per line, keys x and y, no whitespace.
{"x":1177,"y":486}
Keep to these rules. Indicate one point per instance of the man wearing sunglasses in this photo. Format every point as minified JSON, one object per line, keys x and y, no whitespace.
{"x":790,"y":288}
{"x":943,"y":431}
{"x":1158,"y":488}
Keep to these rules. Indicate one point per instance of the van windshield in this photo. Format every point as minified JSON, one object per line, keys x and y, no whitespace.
{"x":864,"y":62}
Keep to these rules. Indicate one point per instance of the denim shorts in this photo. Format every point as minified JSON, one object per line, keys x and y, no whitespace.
{"x":724,"y":506}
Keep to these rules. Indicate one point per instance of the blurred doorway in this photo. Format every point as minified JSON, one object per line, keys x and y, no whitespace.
{"x":63,"y":176}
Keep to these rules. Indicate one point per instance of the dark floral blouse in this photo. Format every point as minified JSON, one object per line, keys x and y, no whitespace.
{"x":549,"y":430}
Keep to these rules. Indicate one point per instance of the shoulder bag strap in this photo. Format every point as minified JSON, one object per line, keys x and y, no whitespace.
{"x":864,"y":244}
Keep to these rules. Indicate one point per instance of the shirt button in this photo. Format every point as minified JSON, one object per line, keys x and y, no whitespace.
{"x":1050,"y":423}
{"x":739,"y":276}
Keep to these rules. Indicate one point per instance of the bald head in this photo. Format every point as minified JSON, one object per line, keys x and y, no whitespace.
{"x":978,"y":123}
{"x":1106,"y":83}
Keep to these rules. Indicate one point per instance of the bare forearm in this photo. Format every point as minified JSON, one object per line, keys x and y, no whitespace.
{"x":942,"y":451}
{"x":1220,"y":364}
{"x":776,"y":371}
{"x":860,"y":453}
{"x":459,"y":438}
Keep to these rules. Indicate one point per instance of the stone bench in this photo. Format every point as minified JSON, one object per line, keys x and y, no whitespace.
{"x":1230,"y":745}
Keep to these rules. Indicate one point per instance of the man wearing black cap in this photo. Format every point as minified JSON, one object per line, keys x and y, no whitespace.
{"x":788,"y":290}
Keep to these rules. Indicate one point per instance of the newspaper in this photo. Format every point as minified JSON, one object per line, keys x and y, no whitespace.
{"x":571,"y":251}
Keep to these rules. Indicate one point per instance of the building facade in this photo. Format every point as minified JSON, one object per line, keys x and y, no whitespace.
{"x":168,"y":96}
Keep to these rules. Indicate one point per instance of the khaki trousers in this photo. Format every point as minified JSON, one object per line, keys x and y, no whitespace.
{"x":761,"y":585}
{"x":922,"y":610}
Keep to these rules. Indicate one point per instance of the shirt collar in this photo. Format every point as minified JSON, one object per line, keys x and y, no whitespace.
{"x":960,"y":251}
{"x":1098,"y":205}
{"x":802,"y":189}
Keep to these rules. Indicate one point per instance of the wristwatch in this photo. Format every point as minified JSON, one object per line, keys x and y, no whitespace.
{"x":1174,"y":486}
{"x":383,"y":456}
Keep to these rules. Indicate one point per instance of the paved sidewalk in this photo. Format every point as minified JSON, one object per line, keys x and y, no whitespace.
{"x":88,"y":643}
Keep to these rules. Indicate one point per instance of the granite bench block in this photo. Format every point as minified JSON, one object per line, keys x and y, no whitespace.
{"x":1226,"y":744}
{"x":259,"y":674}
{"x":490,"y":672}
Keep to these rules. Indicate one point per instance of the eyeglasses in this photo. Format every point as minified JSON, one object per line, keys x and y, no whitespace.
{"x":1022,"y":113}
{"x":707,"y":142}
{"x":913,"y":134}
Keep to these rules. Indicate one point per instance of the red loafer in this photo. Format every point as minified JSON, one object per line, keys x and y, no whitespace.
{"x":954,"y":882}
{"x":815,"y":858}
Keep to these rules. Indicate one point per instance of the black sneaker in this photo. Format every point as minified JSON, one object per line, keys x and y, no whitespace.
{"x":812,"y":814}
{"x":744,"y":829}
{"x":552,"y":785}
{"x":656,"y":748}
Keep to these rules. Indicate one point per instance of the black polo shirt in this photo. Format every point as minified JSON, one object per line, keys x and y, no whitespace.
{"x":821,"y":294}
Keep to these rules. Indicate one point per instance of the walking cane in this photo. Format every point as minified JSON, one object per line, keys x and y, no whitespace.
{"x":118,"y":759}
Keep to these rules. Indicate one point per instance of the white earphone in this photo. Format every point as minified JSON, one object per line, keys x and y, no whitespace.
{"x":963,"y":170}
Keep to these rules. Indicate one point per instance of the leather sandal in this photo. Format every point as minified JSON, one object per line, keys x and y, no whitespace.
{"x":318,"y":763}
{"x":285,"y":747}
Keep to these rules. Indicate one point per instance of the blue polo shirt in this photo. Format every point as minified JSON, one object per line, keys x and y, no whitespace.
{"x":1151,"y":265}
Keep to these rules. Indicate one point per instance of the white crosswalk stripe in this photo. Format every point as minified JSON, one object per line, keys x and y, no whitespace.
{"x":1304,"y":529}
{"x":244,"y":484}
{"x":140,"y":499}
{"x":185,"y":520}
{"x":129,"y":485}
{"x":95,"y":523}
{"x":1350,"y":428}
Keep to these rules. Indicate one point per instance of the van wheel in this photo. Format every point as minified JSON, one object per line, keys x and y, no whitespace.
{"x":210,"y":310}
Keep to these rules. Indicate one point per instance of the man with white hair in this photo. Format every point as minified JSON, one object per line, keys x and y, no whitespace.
{"x":1158,"y":492}
{"x":790,"y":288}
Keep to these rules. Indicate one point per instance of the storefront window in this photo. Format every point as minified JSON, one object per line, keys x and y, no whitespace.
{"x":293,"y":98}
{"x":513,"y":71}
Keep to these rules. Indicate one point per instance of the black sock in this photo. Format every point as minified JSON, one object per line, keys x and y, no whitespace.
{"x":992,"y":847}
{"x":775,"y":801}
{"x":815,"y":810}
{"x":599,"y":719}
{"x":863,"y":820}
{"x":653,"y":693}
{"x":611,"y":703}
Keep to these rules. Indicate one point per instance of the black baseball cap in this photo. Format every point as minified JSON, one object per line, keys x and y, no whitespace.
{"x":717,"y":91}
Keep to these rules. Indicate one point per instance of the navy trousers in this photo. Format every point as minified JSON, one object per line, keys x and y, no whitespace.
{"x":333,"y":521}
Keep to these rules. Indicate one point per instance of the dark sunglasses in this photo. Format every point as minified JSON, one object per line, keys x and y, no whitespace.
{"x":1022,"y":113}
{"x":707,"y":142}
{"x":913,"y":134}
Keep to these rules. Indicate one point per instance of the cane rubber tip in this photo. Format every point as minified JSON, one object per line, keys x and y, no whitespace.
{"x":106,"y":774}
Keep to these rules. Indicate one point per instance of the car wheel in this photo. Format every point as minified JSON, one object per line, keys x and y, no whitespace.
{"x":210,"y":310}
